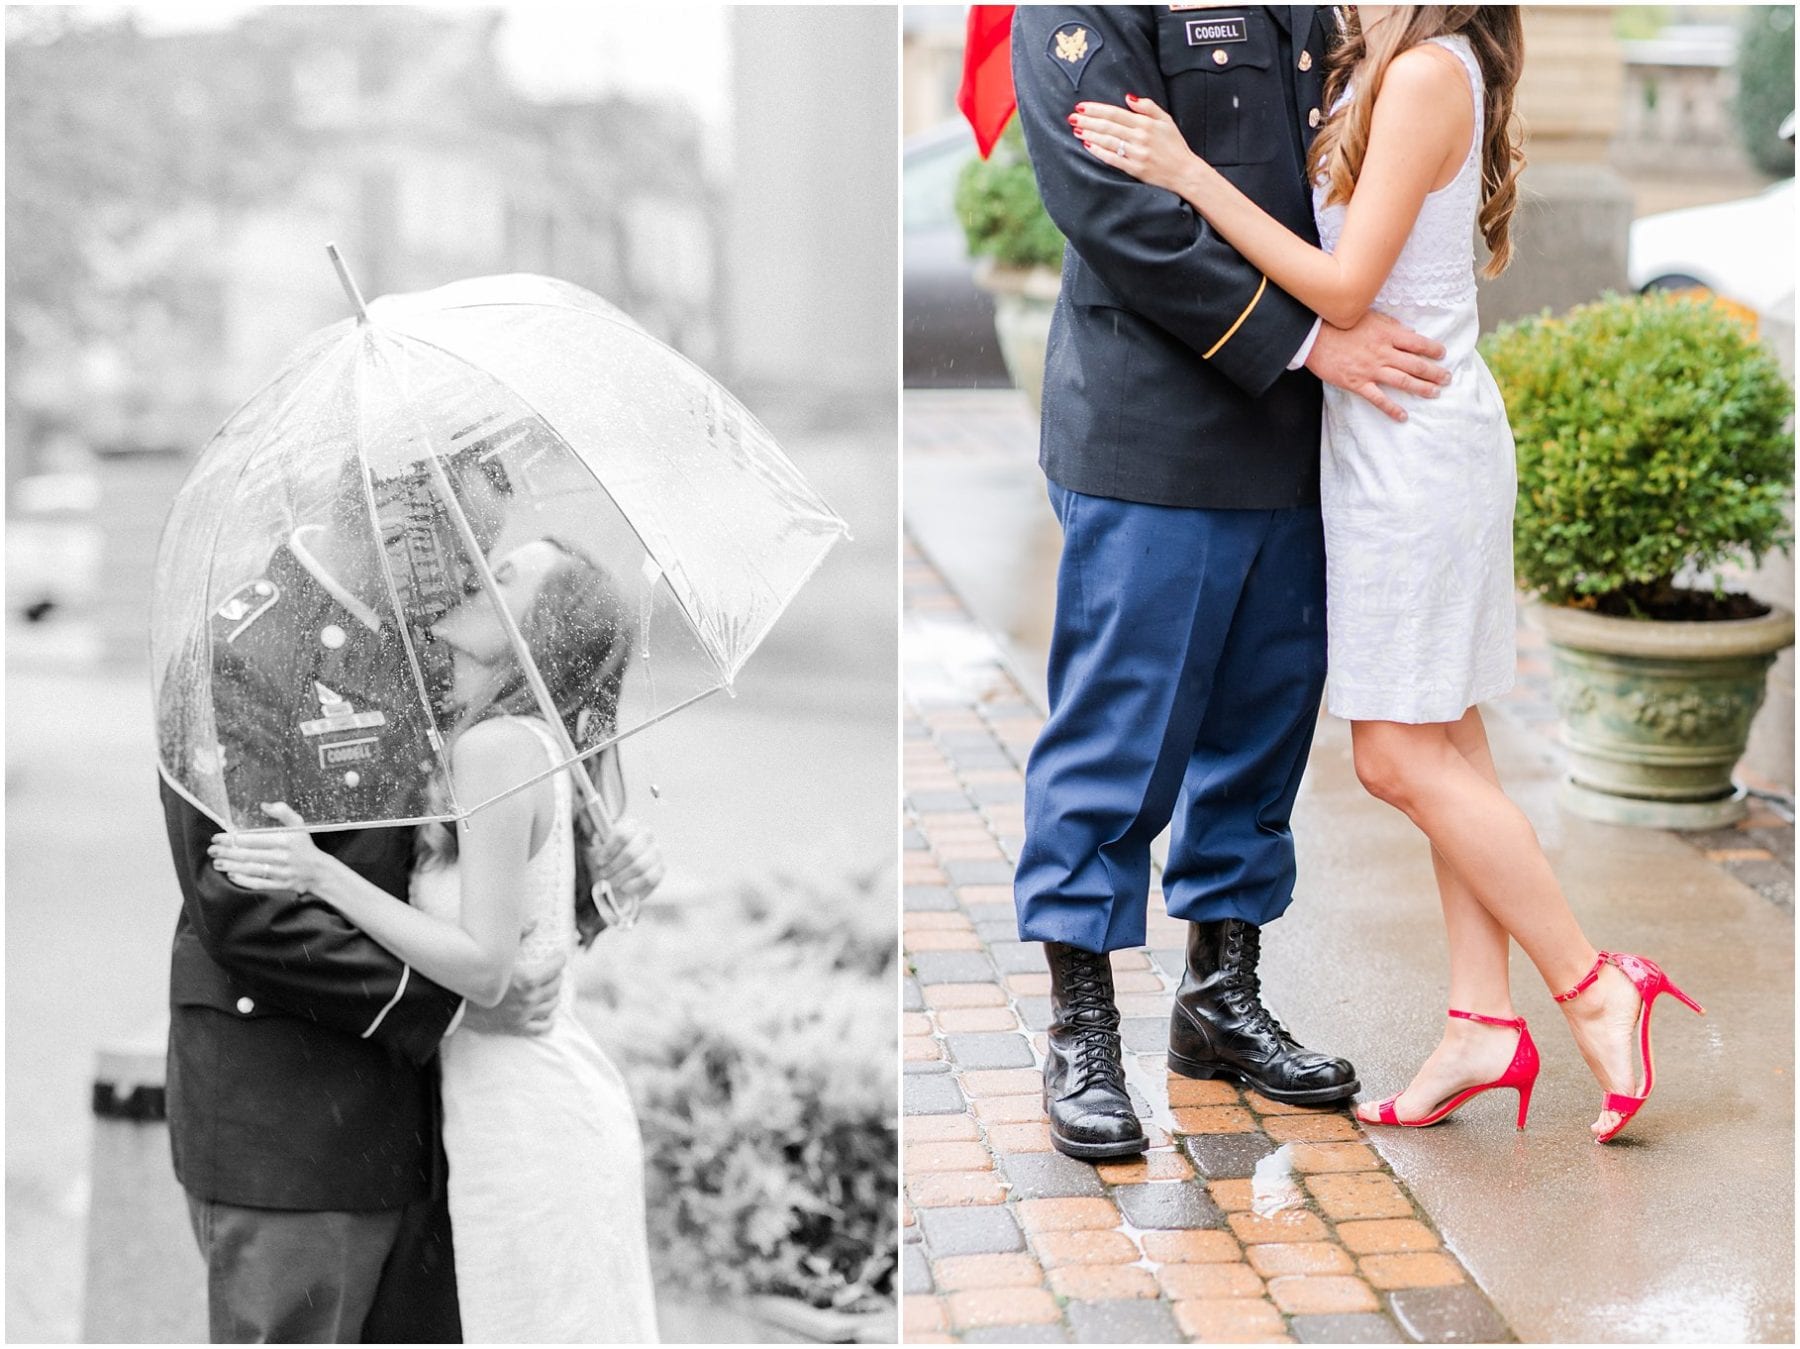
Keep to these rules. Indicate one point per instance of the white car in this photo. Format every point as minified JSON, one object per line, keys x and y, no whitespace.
{"x":1742,"y":250}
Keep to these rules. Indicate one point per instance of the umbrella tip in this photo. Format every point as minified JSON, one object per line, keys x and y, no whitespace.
{"x":347,"y":281}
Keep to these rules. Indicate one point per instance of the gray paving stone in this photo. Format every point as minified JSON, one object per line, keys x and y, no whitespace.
{"x":915,"y":1271}
{"x":1050,"y":1175}
{"x":1050,"y":1334}
{"x":1125,"y":1321}
{"x":1346,"y":1328}
{"x":979,"y":737}
{"x":989,"y":913}
{"x":997,"y":930}
{"x":1002,"y":1049}
{"x":979,"y":873}
{"x":916,"y":1067}
{"x":952,"y":967}
{"x":935,"y":803}
{"x":1167,"y":1204}
{"x":912,"y":999}
{"x":930,"y":1095}
{"x":1018,"y":957}
{"x":980,"y":1229}
{"x":1145,"y":1034}
{"x":997,"y":793}
{"x":927,"y":898}
{"x":1034,"y":1012}
{"x":1227,"y":1156}
{"x":1458,"y":1314}
{"x":1173,"y":964}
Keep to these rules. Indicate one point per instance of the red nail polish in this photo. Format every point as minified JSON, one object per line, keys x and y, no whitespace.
{"x":1132,"y":97}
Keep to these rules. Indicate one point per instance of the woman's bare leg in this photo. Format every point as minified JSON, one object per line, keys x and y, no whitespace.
{"x":1469,"y":1052}
{"x":1427,"y":772}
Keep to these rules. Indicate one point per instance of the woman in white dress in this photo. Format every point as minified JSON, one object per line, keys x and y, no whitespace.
{"x":546,"y":1184}
{"x":1417,"y":151}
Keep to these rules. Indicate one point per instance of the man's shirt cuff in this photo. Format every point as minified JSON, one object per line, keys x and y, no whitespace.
{"x":1306,"y":347}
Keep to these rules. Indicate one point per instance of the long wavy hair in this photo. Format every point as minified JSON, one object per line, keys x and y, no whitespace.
{"x":1497,"y":38}
{"x":580,"y":636}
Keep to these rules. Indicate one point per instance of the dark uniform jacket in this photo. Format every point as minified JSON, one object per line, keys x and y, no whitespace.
{"x":301,"y":1053}
{"x":1166,"y":377}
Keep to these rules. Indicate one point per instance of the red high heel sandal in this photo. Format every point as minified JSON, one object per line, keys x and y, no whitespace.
{"x":1651,"y":983}
{"x":1521,"y":1075}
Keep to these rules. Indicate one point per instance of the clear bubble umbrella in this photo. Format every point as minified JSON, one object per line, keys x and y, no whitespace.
{"x":502,"y":495}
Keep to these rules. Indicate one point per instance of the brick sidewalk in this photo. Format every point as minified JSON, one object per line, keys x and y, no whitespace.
{"x":1248,"y":1221}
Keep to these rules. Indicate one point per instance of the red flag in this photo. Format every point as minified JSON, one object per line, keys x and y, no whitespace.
{"x":986,"y":97}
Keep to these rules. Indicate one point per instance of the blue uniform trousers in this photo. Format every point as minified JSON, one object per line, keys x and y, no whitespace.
{"x":1186,"y":668}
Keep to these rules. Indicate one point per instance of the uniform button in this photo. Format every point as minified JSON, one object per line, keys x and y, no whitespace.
{"x":1219,"y":56}
{"x":331,"y":636}
{"x":246,"y":1005}
{"x":352,"y":778}
{"x":1312,"y":118}
{"x":1306,"y":60}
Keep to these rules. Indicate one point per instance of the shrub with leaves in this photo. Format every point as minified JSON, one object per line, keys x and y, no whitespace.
{"x":1001,"y":213}
{"x":757,"y":1032}
{"x":1652,"y":440}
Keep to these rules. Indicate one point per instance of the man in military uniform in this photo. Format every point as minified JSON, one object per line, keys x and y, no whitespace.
{"x":302,"y":1091}
{"x":1180,"y":435}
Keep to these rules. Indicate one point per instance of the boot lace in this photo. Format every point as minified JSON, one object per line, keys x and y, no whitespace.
{"x":1243,"y":985}
{"x":1092,"y":1020}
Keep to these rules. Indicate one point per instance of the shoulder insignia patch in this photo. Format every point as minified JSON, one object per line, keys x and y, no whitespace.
{"x":246,"y":604}
{"x":1070,"y":49}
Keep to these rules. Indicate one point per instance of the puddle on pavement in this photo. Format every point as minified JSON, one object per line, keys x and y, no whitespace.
{"x":1273,"y":1188}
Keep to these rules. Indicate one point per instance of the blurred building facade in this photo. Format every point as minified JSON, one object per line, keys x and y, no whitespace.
{"x":392,"y":131}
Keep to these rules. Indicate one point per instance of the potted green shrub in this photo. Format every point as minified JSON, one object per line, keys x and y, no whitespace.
{"x":1018,"y":253}
{"x":1653,"y":450}
{"x":768,"y":1104}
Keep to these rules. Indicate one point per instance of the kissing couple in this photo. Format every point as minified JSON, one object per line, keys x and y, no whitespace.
{"x":389,"y":1120}
{"x":1282,"y":469}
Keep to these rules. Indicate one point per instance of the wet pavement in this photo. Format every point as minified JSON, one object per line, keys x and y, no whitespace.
{"x":1681,"y":1232}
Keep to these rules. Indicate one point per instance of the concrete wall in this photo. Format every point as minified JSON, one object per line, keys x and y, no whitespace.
{"x":812,"y":233}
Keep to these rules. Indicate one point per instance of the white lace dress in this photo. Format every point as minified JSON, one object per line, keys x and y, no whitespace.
{"x":1418,"y":514}
{"x":546,"y":1166}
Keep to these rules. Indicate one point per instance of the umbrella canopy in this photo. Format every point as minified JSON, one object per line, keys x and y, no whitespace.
{"x":500,"y":496}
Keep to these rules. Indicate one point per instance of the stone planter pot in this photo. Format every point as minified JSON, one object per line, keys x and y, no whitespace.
{"x":1655,"y":715}
{"x":769,"y":1320}
{"x":1024,"y":300}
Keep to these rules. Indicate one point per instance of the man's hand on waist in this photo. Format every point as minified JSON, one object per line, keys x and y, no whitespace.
{"x":1379,"y":352}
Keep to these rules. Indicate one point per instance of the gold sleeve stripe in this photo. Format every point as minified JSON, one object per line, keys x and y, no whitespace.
{"x":1240,"y":319}
{"x":405,"y":974}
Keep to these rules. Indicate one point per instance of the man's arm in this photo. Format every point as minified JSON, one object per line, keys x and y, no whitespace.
{"x":1148,"y":246}
{"x":300,"y":955}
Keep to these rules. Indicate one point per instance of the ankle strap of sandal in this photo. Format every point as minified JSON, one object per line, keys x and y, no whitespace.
{"x":1515,"y":1023}
{"x":1604,"y":958}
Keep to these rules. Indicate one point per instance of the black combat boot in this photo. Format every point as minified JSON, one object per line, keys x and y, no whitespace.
{"x":1084,"y":1078}
{"x":1220,"y":1028}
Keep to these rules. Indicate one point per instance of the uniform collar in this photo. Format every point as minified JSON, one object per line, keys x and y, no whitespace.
{"x":327,"y":582}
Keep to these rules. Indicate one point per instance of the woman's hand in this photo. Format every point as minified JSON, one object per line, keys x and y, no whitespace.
{"x":1142,"y":140}
{"x":628,"y":859}
{"x":284,"y":861}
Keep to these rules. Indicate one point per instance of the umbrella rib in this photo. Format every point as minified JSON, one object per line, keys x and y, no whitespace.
{"x":595,"y":807}
{"x":441,"y":749}
{"x":212,"y":550}
{"x":681,"y":604}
